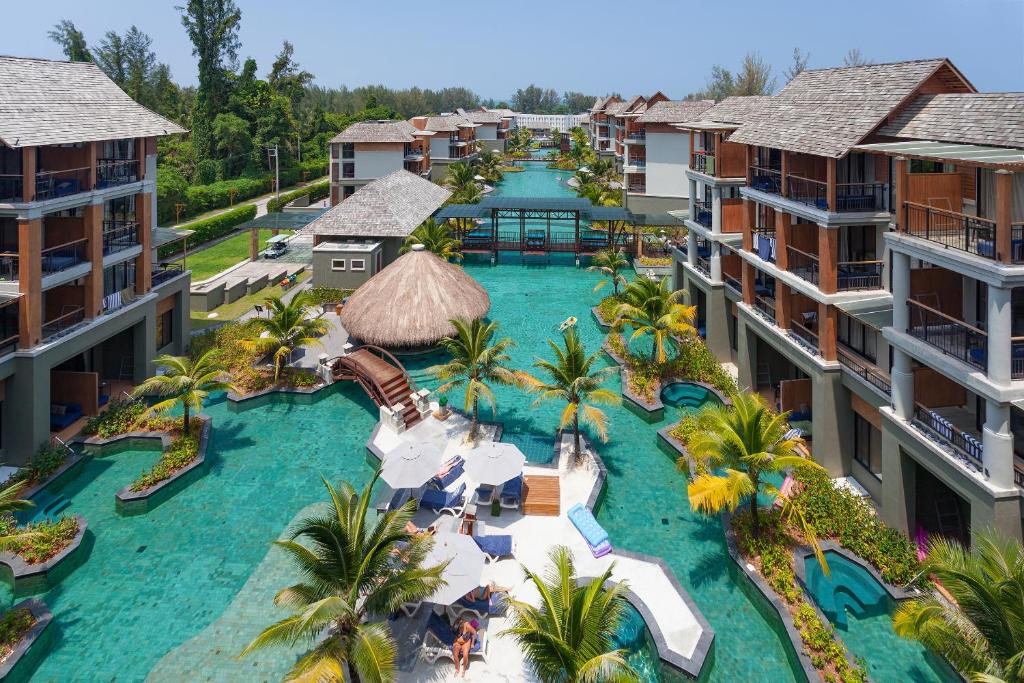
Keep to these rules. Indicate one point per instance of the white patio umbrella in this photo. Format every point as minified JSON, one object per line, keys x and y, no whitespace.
{"x":411,"y":465}
{"x":493,"y":462}
{"x":465,"y":566}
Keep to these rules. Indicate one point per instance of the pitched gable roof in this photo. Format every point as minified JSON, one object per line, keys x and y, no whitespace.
{"x":47,"y":102}
{"x":825,"y":112}
{"x":976,"y":118}
{"x":675,"y":111}
{"x":377,"y":131}
{"x":737,"y":109}
{"x":390,"y":206}
{"x":447,"y":124}
{"x":632,"y":103}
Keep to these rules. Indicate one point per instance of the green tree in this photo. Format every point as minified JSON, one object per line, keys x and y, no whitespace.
{"x":353,"y":569}
{"x":569,"y":638}
{"x":755,"y":77}
{"x":232,"y":142}
{"x":9,"y":504}
{"x":733,"y":448}
{"x":186,"y":382}
{"x":611,"y":263}
{"x":477,"y":361}
{"x":435,"y":238}
{"x":286,"y":78}
{"x":130,"y":62}
{"x":799,"y":65}
{"x":288,"y":327}
{"x":982,"y":632}
{"x":575,"y":379}
{"x":652,"y":309}
{"x":71,"y":41}
{"x":461,"y":176}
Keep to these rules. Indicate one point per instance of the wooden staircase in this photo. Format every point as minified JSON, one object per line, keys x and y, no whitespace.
{"x":382,"y":377}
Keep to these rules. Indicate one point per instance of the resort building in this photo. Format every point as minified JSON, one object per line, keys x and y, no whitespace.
{"x":82,"y":305}
{"x":542,"y":124}
{"x":452,"y":139}
{"x":491,"y":128}
{"x":882,"y":343}
{"x":601,"y":134}
{"x":363,"y":234}
{"x":656,"y":155}
{"x":368,"y":150}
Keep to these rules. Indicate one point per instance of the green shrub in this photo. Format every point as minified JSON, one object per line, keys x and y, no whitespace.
{"x":180,"y":454}
{"x":655,"y":261}
{"x":211,"y":228}
{"x":316,"y":192}
{"x":44,"y":463}
{"x":206,"y":171}
{"x":318,"y":296}
{"x":225,"y":339}
{"x":302,"y":378}
{"x":50,"y":538}
{"x":170,"y":190}
{"x":122,"y":415}
{"x":14,"y":625}
{"x":606,"y":309}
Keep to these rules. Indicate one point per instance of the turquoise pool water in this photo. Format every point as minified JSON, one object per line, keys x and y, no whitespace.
{"x":687,"y":396}
{"x":861,"y":610}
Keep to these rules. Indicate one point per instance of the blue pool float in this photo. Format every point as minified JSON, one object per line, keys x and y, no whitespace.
{"x":592,"y":532}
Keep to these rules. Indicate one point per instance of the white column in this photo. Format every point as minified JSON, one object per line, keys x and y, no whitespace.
{"x":902,"y":379}
{"x":691,"y":248}
{"x":900,"y":291}
{"x":997,"y":442}
{"x":716,"y":210}
{"x":999,"y":327}
{"x":716,"y":263}
{"x":693,"y":198}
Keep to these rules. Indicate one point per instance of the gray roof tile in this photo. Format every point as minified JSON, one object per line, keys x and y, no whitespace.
{"x":377,"y":131}
{"x":976,"y":118}
{"x":675,"y":111}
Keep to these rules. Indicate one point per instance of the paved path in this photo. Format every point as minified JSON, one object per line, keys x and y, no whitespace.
{"x":260,"y":202}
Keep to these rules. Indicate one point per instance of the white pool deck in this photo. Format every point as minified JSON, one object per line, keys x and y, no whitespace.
{"x":681,"y":629}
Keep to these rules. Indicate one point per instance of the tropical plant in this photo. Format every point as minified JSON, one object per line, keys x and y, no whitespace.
{"x":569,"y":638}
{"x":461,"y":176}
{"x":573,"y":377}
{"x":288,"y":327}
{"x":610,"y":263}
{"x":471,"y":194}
{"x":600,"y":194}
{"x":477,"y":361}
{"x":652,"y":309}
{"x":352,"y":570}
{"x":185,"y":381}
{"x":435,"y":238}
{"x":982,"y":632}
{"x":733,"y":448}
{"x":11,"y":537}
{"x":489,"y":165}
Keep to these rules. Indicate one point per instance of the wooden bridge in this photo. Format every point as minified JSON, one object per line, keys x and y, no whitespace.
{"x":381,"y":376}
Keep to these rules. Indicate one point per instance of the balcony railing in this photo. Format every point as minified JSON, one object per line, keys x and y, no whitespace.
{"x":852,"y":197}
{"x":733,"y":282}
{"x":11,"y":187}
{"x":1017,"y":357}
{"x":636,"y":187}
{"x":766,"y":179}
{"x":113,"y":172}
{"x":1017,"y":242}
{"x":9,"y":344}
{"x":859,"y":275}
{"x":63,"y":256}
{"x":639,"y":136}
{"x":807,"y":338}
{"x":959,"y":231}
{"x":803,"y":265}
{"x":54,"y":184}
{"x":865,"y":370}
{"x":8,"y":266}
{"x":69,"y":317}
{"x":166,"y":272}
{"x":965,"y":446}
{"x":703,"y":161}
{"x":638,"y":162}
{"x":702,"y":212}
{"x":765,"y":307}
{"x":947,"y":334}
{"x":119,"y":235}
{"x":703,"y":264}
{"x":807,"y":191}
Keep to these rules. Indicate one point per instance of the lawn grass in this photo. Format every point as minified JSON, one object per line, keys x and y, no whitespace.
{"x":210,"y":261}
{"x":201,"y":319}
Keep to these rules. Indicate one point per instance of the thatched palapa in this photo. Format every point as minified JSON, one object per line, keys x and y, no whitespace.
{"x":412,"y":301}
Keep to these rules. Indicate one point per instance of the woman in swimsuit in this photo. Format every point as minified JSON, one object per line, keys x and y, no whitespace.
{"x":465,"y":634}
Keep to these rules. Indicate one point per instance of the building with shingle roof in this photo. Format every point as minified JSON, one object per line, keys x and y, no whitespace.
{"x":675,"y":111}
{"x":368,"y":150}
{"x":995,"y":119}
{"x":377,"y":131}
{"x":453,"y":140}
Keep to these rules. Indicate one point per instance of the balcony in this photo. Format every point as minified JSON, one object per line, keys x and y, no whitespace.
{"x":854,"y":275}
{"x":635,"y":165}
{"x":764,"y":245}
{"x":166,"y":272}
{"x":804,"y":335}
{"x":766,"y":179}
{"x":860,"y":367}
{"x":703,"y":161}
{"x":766,"y":307}
{"x":119,"y":235}
{"x":8,"y":266}
{"x":803,"y":265}
{"x":11,"y":187}
{"x":733,"y":282}
{"x":114,"y":172}
{"x":637,"y":138}
{"x":939,"y":428}
{"x":69,"y":318}
{"x":55,"y":184}
{"x":636,"y":188}
{"x":64,"y":256}
{"x":952,"y":337}
{"x":954,"y":230}
{"x":702,"y":213}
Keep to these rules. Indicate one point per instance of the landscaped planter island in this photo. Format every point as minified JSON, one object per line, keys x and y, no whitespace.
{"x":28,"y":577}
{"x":30,"y":640}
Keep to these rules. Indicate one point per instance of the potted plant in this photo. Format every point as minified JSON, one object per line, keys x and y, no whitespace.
{"x":442,"y":411}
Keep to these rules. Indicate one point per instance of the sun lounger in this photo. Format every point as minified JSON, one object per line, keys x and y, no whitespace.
{"x":493,"y":606}
{"x":439,"y":639}
{"x":495,"y":546}
{"x":450,"y":473}
{"x":484,"y":494}
{"x":443,"y":501}
{"x":592,"y":532}
{"x":512,"y":493}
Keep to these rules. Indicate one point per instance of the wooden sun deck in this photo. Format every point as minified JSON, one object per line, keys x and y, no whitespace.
{"x":542,"y":495}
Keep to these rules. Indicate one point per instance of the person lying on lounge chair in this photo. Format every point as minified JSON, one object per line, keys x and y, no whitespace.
{"x":411,"y":528}
{"x":465,"y":635}
{"x":484,"y":592}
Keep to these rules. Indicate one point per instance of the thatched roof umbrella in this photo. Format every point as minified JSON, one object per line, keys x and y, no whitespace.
{"x":412,"y":301}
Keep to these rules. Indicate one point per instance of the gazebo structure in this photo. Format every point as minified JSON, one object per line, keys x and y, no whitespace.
{"x":410,"y":303}
{"x":279,"y":220}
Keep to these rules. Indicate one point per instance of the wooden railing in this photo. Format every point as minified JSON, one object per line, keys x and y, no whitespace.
{"x":947,"y":334}
{"x":948,"y":228}
{"x":866,"y":371}
{"x":63,"y":256}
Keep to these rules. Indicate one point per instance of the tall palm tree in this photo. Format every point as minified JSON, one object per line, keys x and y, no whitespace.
{"x":288,"y":327}
{"x":184,"y":381}
{"x":574,"y":378}
{"x":461,"y":175}
{"x":9,"y":504}
{"x":982,"y":633}
{"x":570,"y":637}
{"x":351,"y":573}
{"x":599,"y":194}
{"x":477,"y":362}
{"x":734,"y":447}
{"x":471,"y":194}
{"x":435,"y":238}
{"x":652,"y":309}
{"x":489,"y":164}
{"x":610,"y":263}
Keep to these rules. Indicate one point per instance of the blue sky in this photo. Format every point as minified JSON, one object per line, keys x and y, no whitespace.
{"x":593,"y":46}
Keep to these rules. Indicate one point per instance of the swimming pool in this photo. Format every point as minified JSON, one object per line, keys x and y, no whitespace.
{"x":687,"y":396}
{"x":861,"y":610}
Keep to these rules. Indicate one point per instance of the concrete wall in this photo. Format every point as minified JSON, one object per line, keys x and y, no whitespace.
{"x":493,"y":145}
{"x":377,"y":163}
{"x":439,"y":147}
{"x":668,"y":157}
{"x":487,"y":131}
{"x":645,"y":203}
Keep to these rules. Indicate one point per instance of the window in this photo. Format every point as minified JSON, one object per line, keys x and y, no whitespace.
{"x":119,"y":277}
{"x":347,"y":191}
{"x":925,"y":166}
{"x":120,"y":209}
{"x":118,"y":149}
{"x":857,"y":336}
{"x":357,"y":264}
{"x":867,"y":445}
{"x":348,"y":150}
{"x":337,"y":264}
{"x":164,"y":329}
{"x":348,"y":170}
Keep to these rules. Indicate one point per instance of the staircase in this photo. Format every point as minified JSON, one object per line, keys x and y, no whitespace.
{"x":947,"y":516}
{"x":382,"y":377}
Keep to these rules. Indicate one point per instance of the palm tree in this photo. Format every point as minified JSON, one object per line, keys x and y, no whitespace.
{"x":651,"y":308}
{"x":351,"y":571}
{"x":982,"y":632}
{"x":574,"y":378}
{"x":611,"y":263}
{"x":489,"y":164}
{"x":734,"y":447}
{"x":476,"y":362}
{"x":471,"y":194}
{"x":599,"y":194}
{"x":185,"y":381}
{"x":289,"y":327}
{"x":570,"y":637}
{"x":9,"y":504}
{"x":435,"y":238}
{"x":461,"y":175}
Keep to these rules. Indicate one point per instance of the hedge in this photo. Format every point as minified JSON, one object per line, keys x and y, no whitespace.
{"x":211,"y":228}
{"x":316,"y":191}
